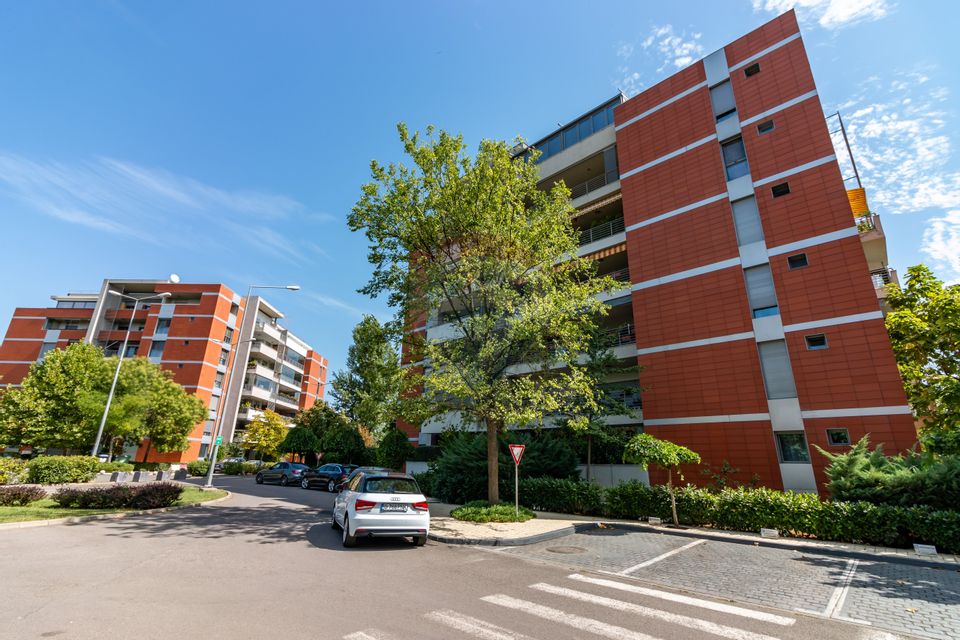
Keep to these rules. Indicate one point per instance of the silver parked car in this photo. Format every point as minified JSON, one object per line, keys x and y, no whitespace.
{"x":378,"y":504}
{"x":283,"y":473}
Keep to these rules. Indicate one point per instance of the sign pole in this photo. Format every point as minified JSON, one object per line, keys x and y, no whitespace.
{"x":516,"y":489}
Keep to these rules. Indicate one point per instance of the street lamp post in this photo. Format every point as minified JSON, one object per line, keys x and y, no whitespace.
{"x":218,"y":424}
{"x":123,"y":351}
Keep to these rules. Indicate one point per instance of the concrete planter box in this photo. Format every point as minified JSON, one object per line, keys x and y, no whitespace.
{"x":102,"y":476}
{"x":120,"y":476}
{"x":163,"y":476}
{"x":144,"y":476}
{"x":180,"y":474}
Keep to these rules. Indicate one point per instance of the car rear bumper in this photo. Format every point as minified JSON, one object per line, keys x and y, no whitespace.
{"x":390,"y":525}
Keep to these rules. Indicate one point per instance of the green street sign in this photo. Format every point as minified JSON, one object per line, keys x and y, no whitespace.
{"x":219,"y":440}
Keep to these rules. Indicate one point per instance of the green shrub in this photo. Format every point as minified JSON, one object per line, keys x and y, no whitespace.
{"x":110,"y":467}
{"x":250,"y":468}
{"x":151,"y":466}
{"x":483,"y":511}
{"x":198,"y":468}
{"x":61,"y":469}
{"x":394,"y":449}
{"x":20,"y":495}
{"x":424,"y":453}
{"x":12,"y":470}
{"x":425,"y":482}
{"x":561,"y":495}
{"x":122,"y":496}
{"x":233,"y":468}
{"x":634,"y":500}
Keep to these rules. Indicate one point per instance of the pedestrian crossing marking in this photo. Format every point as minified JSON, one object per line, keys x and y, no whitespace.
{"x":368,"y":634}
{"x":474,"y":626}
{"x":681,"y":599}
{"x":732,"y":633}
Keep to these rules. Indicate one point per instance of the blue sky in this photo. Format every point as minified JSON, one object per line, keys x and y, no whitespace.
{"x":227,"y":141}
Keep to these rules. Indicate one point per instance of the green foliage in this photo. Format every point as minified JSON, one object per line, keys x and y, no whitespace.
{"x":266,"y":433}
{"x":233,"y":468}
{"x":368,"y":390}
{"x":425,"y":482}
{"x":20,"y":496}
{"x":424,"y":453}
{"x":231,"y":450}
{"x":110,"y":467}
{"x":12,"y":470}
{"x":394,"y":449}
{"x":902,"y":480}
{"x":562,"y":495}
{"x":151,"y":466}
{"x":198,"y":468}
{"x":250,"y":468}
{"x":644,"y":450}
{"x":320,"y":418}
{"x":483,"y":511}
{"x":61,"y":469}
{"x":299,"y":440}
{"x":924,"y":328}
{"x":156,"y":495}
{"x":344,"y":444}
{"x":477,"y":237}
{"x":460,"y":473}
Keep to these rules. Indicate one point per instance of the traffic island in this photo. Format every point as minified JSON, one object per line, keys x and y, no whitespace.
{"x":502,"y":534}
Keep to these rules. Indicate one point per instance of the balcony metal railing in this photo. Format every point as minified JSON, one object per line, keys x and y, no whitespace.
{"x":594,"y":183}
{"x":620,"y":275}
{"x":624,"y":334}
{"x":601,"y":231}
{"x":867,"y":223}
{"x":629,"y":396}
{"x":882,"y":277}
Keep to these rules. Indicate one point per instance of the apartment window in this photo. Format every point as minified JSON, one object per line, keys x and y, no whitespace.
{"x":218,"y":381}
{"x":797,"y":261}
{"x":45,"y":348}
{"x":228,"y":336}
{"x":760,"y":291}
{"x":792,"y":447}
{"x":156,"y":349}
{"x":781,"y":189}
{"x":777,"y":375}
{"x":186,"y":343}
{"x":816,"y":341}
{"x":838,"y":437}
{"x":765,"y":127}
{"x":214,"y":403}
{"x":163,"y":327}
{"x":721,"y":97}
{"x":746,"y":219}
{"x":131,"y":351}
{"x":735,"y":159}
{"x":203,"y":450}
{"x":223,"y":358}
{"x":752,"y":70}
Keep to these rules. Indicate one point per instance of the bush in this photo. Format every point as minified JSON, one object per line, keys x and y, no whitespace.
{"x":198,"y":468}
{"x":561,"y":495}
{"x":483,"y":511}
{"x":151,"y":466}
{"x":20,"y":496}
{"x":110,"y":467}
{"x":61,"y":469}
{"x":394,"y":449}
{"x":425,"y":482}
{"x":12,"y":470}
{"x":251,"y":468}
{"x":424,"y":453}
{"x":233,"y":468}
{"x":123,"y":496}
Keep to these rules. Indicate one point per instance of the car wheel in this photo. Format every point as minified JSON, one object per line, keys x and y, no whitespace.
{"x":348,"y":540}
{"x":420,"y":540}
{"x":259,"y":478}
{"x":331,"y":486}
{"x":304,"y":484}
{"x":283,"y":481}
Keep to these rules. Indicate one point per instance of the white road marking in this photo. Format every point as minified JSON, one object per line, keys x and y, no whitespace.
{"x":589,"y":625}
{"x":474,"y":626}
{"x":663,"y":556}
{"x":368,"y":634}
{"x":706,"y":626}
{"x":839,"y":596}
{"x":687,"y":600}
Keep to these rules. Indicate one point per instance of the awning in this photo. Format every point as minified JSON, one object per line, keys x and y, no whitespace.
{"x":593,"y":206}
{"x":609,"y":251}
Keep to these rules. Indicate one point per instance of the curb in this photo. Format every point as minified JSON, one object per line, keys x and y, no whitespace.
{"x":29,"y":524}
{"x":515,"y":542}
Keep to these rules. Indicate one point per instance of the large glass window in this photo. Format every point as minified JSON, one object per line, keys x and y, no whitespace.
{"x":156,"y":349}
{"x":777,"y":374}
{"x":163,"y":327}
{"x":735,"y":159}
{"x":746,"y":219}
{"x":792,"y":447}
{"x":721,"y":97}
{"x":46,"y":348}
{"x":581,"y":129}
{"x":760,"y":291}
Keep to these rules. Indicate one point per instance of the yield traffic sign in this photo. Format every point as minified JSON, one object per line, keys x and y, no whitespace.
{"x":516,"y":450}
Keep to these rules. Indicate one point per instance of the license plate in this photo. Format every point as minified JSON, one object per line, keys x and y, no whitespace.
{"x":393,"y":507}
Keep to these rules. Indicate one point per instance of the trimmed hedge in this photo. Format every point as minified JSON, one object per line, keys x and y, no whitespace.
{"x":483,"y":511}
{"x":12,"y":470}
{"x":425,"y":482}
{"x":17,"y":496}
{"x":156,"y":495}
{"x":61,"y":469}
{"x":110,"y":467}
{"x":151,"y":466}
{"x":562,"y":496}
{"x":424,"y":453}
{"x":198,"y":467}
{"x":233,"y":468}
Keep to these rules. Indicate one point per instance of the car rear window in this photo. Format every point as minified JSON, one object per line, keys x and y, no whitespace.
{"x":391,"y":485}
{"x":299,"y":466}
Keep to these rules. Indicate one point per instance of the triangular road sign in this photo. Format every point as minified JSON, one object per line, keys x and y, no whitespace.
{"x":516,"y":450}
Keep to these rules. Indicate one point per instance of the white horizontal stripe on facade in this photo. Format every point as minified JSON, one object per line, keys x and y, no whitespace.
{"x":31,"y":339}
{"x":197,"y":315}
{"x":741,"y":417}
{"x":209,"y":364}
{"x":17,"y":361}
{"x":667,"y":102}
{"x":856,"y":412}
{"x":733,"y":337}
{"x":764,"y":52}
{"x":677,"y":212}
{"x":778,"y":108}
{"x":669,"y":156}
{"x":689,"y":273}
{"x":813,"y":241}
{"x":794,"y":171}
{"x":37,"y":317}
{"x":826,"y":322}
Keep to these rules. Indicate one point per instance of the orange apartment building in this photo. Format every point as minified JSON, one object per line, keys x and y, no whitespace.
{"x":199,"y":333}
{"x":754,"y":276}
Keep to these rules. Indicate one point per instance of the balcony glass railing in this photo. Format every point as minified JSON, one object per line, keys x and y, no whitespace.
{"x":601,"y":231}
{"x":582,"y":189}
{"x":594,"y":122}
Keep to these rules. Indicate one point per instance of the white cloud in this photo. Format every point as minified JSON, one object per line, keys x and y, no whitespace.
{"x":664,"y":47}
{"x":331,"y":302}
{"x":829,"y":14}
{"x":941,"y":241}
{"x":120,"y":197}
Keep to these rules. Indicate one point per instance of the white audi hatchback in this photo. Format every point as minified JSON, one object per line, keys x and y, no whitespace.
{"x":378,"y":504}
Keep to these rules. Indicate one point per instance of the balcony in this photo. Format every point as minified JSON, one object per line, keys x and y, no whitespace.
{"x":285,"y":400}
{"x":881,"y":278}
{"x":261,"y":370}
{"x":601,"y":231}
{"x":620,"y":275}
{"x":249,"y":414}
{"x":269,"y":329}
{"x":290,"y":382}
{"x":593,"y":184}
{"x":629,"y":396}
{"x":264,"y":349}
{"x":624,"y":334}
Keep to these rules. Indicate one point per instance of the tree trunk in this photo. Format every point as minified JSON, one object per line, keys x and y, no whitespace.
{"x":493,"y":461}
{"x":673,"y":498}
{"x":110,"y":452}
{"x":589,"y":455}
{"x":146,"y":452}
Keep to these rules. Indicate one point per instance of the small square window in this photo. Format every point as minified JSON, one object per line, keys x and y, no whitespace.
{"x":180,"y":366}
{"x":186,"y":342}
{"x":781,"y":189}
{"x":765,"y":127}
{"x":752,"y":70}
{"x":792,"y":447}
{"x":797,"y":261}
{"x":816,"y":341}
{"x":838,"y":437}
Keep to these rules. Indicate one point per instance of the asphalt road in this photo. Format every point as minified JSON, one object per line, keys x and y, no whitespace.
{"x":266,"y":563}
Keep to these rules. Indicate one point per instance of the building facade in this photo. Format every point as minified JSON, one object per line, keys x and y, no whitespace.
{"x":754,"y":276}
{"x":200,"y":333}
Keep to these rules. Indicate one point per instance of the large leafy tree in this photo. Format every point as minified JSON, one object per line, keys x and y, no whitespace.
{"x":476,"y":237}
{"x":319,"y":419}
{"x":300,"y":440}
{"x":644,"y":450}
{"x":368,"y":390}
{"x":265,"y":433}
{"x":171,"y":414}
{"x":924,"y":328}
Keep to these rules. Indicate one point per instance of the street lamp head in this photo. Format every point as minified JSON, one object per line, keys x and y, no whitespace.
{"x":165,"y":294}
{"x":293,"y":287}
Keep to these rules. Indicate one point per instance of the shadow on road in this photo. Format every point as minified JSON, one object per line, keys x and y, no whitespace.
{"x":893,"y":580}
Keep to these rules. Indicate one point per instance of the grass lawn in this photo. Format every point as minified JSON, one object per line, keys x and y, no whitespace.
{"x":48,"y":509}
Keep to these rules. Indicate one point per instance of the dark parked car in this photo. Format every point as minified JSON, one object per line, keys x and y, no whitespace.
{"x":328,"y":476}
{"x":283,"y":473}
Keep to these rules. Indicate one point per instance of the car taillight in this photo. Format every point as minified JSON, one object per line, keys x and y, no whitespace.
{"x":296,"y":472}
{"x":364,"y":505}
{"x":420,"y":506}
